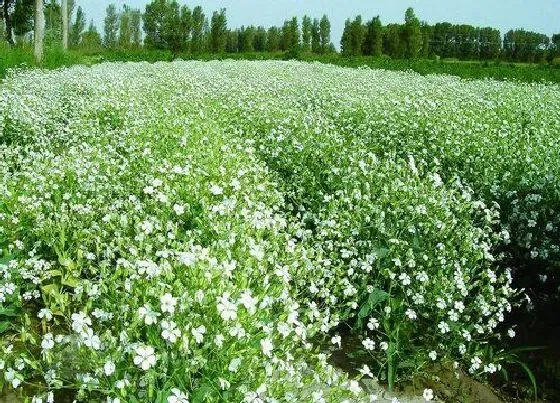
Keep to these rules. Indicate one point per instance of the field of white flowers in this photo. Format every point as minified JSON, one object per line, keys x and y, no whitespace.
{"x":209,"y":231}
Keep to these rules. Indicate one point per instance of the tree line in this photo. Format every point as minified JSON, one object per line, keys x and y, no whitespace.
{"x":168,"y":25}
{"x":416,"y":39}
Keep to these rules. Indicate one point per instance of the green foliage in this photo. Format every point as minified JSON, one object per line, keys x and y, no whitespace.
{"x":197,"y":35}
{"x":373,"y":40}
{"x":111,"y":27}
{"x":325,"y":34}
{"x":163,"y":24}
{"x":78,"y":27}
{"x":218,"y":31}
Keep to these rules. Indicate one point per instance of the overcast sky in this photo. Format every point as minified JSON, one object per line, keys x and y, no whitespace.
{"x":535,"y":15}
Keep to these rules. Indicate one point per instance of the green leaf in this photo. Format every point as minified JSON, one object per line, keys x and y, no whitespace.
{"x":50,"y":289}
{"x":374,"y":298}
{"x":531,"y":377}
{"x":8,"y":312}
{"x":202,"y":393}
{"x":406,"y":364}
{"x":381,"y":252}
{"x":71,"y":282}
{"x":4,"y":326}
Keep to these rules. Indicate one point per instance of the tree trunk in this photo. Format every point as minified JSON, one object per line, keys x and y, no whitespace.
{"x":64,"y":12}
{"x":9,"y":24}
{"x":39,"y":30}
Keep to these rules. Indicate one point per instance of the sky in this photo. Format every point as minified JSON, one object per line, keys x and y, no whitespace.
{"x":535,"y":15}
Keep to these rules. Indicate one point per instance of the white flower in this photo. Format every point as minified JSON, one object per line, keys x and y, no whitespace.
{"x":428,"y":395}
{"x":178,"y":397}
{"x":169,"y":331}
{"x":224,"y":384}
{"x":234,"y":365}
{"x":45,"y":313}
{"x":249,"y":302}
{"x":354,"y":387}
{"x":443,"y":327}
{"x":383,"y":346}
{"x":267,"y":347}
{"x":48,"y":342}
{"x":168,"y":303}
{"x":490,"y":368}
{"x":317,"y":397}
{"x":475,"y":364}
{"x":219,"y":340}
{"x":80,"y":322}
{"x":411,"y":314}
{"x":373,"y":324}
{"x":405,"y":279}
{"x":433,"y":355}
{"x":226,"y":309}
{"x":366,"y":371}
{"x":198,"y":333}
{"x":368,"y":344}
{"x":12,"y":376}
{"x":336,"y":339}
{"x":216,"y":190}
{"x":91,"y":340}
{"x":511,"y":333}
{"x":150,"y":317}
{"x":179,"y":209}
{"x":145,"y":357}
{"x":109,"y":368}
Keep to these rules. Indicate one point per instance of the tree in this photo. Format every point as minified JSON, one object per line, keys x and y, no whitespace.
{"x":218,"y":31}
{"x":392,"y":44}
{"x":53,"y":23}
{"x":111,"y":27}
{"x":427,"y":37}
{"x":412,"y":34}
{"x":8,"y":9}
{"x":233,"y":42}
{"x":353,"y":37}
{"x":2,"y":26}
{"x":39,"y":30}
{"x":247,"y":39}
{"x":135,"y":30}
{"x":197,"y":36}
{"x":345,"y":45}
{"x":316,"y":36}
{"x":273,"y":40}
{"x":78,"y":28}
{"x":91,"y":39}
{"x":64,"y":13}
{"x":259,"y":42}
{"x":306,"y":33}
{"x":325,"y":27}
{"x":163,"y":25}
{"x":23,"y":17}
{"x":555,"y":46}
{"x":373,"y":41}
{"x":290,"y":35}
{"x":124,"y":27}
{"x":186,"y":26}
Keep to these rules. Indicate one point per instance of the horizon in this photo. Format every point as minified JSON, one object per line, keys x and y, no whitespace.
{"x":537,"y":16}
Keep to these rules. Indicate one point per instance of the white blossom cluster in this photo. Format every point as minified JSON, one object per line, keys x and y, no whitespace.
{"x":186,"y":231}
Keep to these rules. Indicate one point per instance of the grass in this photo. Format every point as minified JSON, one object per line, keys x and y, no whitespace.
{"x":22,"y":57}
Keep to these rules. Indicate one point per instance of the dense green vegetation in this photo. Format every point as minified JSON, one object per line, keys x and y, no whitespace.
{"x":56,"y":58}
{"x":165,"y":231}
